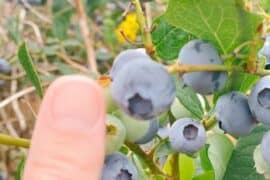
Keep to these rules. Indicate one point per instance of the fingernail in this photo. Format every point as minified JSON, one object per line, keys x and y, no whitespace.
{"x":77,"y":99}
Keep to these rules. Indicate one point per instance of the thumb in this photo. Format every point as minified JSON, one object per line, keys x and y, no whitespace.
{"x":69,"y":137}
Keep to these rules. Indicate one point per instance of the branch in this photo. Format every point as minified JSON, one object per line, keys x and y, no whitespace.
{"x":147,"y":159}
{"x":9,"y":140}
{"x":146,"y":32}
{"x":91,"y":57}
{"x":186,"y":68}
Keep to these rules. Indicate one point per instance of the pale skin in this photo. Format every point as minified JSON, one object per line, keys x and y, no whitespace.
{"x":68,"y":141}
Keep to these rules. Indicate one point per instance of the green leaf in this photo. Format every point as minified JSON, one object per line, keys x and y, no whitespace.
{"x":209,"y":175}
{"x":163,"y":149}
{"x":225,"y":23}
{"x":168,"y":39}
{"x":189,"y":99}
{"x":62,"y":12}
{"x":12,"y":26}
{"x":20,"y":169}
{"x":186,"y":167}
{"x":265,"y":4}
{"x":64,"y":68}
{"x":139,"y":167}
{"x":238,"y":81}
{"x":241,"y":164}
{"x":91,"y":5}
{"x":28,"y":65}
{"x":219,"y":153}
{"x":205,"y":161}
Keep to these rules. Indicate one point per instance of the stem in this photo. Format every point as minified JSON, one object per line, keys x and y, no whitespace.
{"x":9,"y":140}
{"x":252,"y":59}
{"x":186,"y":68}
{"x":10,"y":78}
{"x":147,"y":159}
{"x":146,"y":34}
{"x":209,"y":123}
{"x":91,"y":57}
{"x":175,"y":166}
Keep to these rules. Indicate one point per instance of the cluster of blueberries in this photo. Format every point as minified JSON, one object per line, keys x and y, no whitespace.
{"x":143,"y":89}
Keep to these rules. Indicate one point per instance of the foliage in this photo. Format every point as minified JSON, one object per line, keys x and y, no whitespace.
{"x":51,"y":40}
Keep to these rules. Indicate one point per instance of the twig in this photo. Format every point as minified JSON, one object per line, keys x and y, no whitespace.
{"x":72,"y":63}
{"x":11,"y":130}
{"x":36,"y":13}
{"x":175,"y":166}
{"x":148,"y":14}
{"x":184,"y":68}
{"x":86,"y":36}
{"x":9,"y":140}
{"x":10,"y":78}
{"x":18,"y":95}
{"x":128,"y":40}
{"x":36,"y":31}
{"x":15,"y":105}
{"x":146,"y":32}
{"x":148,"y":160}
{"x":30,"y":107}
{"x":130,"y":4}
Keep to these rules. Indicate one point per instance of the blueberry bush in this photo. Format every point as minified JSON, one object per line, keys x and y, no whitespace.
{"x":192,"y":75}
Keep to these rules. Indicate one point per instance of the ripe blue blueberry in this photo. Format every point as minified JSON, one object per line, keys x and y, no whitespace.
{"x":234,"y":115}
{"x":198,"y":52}
{"x":143,"y":89}
{"x":187,"y":136}
{"x":139,"y":132}
{"x":265,"y":147}
{"x":115,"y":134}
{"x":118,"y":167}
{"x":259,"y":100}
{"x":125,"y":57}
{"x":4,"y":66}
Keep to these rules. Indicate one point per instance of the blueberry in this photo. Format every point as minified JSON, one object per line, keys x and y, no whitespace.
{"x":198,"y":52}
{"x":233,"y":114}
{"x":36,"y":2}
{"x":143,"y":89}
{"x":259,"y":100}
{"x":4,"y":66}
{"x":125,"y":57}
{"x":118,"y":167}
{"x":187,"y":136}
{"x":150,"y":134}
{"x":115,"y":134}
{"x":139,"y":132}
{"x":265,"y":147}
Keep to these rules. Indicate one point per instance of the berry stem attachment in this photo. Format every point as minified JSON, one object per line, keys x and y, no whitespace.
{"x":9,"y":140}
{"x":210,"y":122}
{"x":145,"y":30}
{"x":147,"y":159}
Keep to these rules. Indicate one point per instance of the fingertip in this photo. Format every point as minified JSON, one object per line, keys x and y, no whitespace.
{"x":69,"y":132}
